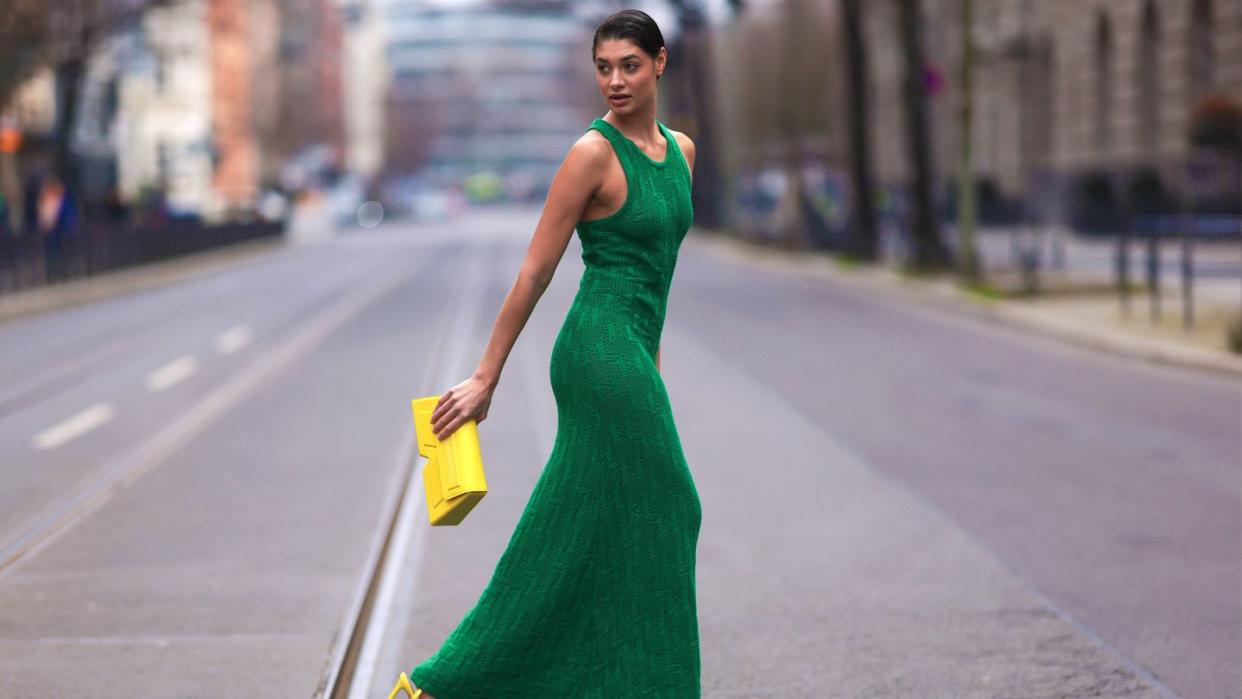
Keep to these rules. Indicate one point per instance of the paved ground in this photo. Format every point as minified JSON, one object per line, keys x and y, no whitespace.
{"x":1214,"y":294}
{"x":1076,"y":305}
{"x":949,"y":508}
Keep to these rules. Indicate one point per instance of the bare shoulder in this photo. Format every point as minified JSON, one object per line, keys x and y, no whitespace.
{"x":584,"y":165}
{"x":686,"y":145}
{"x":591,"y":150}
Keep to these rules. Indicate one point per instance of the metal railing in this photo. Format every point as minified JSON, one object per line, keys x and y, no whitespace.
{"x":94,"y":247}
{"x":1188,"y":230}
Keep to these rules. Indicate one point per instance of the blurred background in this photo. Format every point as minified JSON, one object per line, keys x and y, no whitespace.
{"x":1063,"y":125}
{"x":972,"y":267}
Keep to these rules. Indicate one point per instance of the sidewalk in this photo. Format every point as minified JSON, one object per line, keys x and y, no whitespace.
{"x":1075,"y":308}
{"x":309,"y":225}
{"x":102,"y":286}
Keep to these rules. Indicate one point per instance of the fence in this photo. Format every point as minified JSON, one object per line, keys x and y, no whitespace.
{"x":1187,"y":230}
{"x":28,"y":261}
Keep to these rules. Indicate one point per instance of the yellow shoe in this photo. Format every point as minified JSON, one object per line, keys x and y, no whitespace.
{"x":403,"y":684}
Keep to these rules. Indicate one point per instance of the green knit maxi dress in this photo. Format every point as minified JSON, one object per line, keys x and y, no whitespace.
{"x":594,"y":596}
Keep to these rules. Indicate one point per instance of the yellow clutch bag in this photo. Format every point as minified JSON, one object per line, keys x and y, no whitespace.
{"x":453,"y":477}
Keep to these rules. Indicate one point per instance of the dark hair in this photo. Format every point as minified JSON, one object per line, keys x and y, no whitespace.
{"x":635,"y":25}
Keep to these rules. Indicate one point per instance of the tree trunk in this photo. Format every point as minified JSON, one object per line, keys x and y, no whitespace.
{"x":23,"y":36}
{"x":68,"y":90}
{"x":862,"y":242}
{"x":929,"y":250}
{"x":968,"y":257}
{"x":688,"y":60}
{"x":706,"y":191}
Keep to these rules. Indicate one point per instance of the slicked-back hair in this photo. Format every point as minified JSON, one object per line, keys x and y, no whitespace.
{"x":635,"y":25}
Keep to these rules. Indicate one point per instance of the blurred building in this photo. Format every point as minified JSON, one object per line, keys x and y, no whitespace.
{"x":193,"y":123}
{"x":310,"y":111}
{"x":497,"y":87}
{"x":1080,"y":105}
{"x":164,"y":127}
{"x":1083,"y":109}
{"x":33,"y":108}
{"x":196,"y":104}
{"x":34,"y":112}
{"x":244,"y":37}
{"x":26,"y":124}
{"x":364,"y":84}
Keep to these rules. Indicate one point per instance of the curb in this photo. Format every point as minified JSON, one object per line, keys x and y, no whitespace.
{"x":945,"y":296}
{"x":143,"y":277}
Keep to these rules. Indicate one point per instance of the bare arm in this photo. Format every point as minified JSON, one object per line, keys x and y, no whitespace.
{"x":576,"y":181}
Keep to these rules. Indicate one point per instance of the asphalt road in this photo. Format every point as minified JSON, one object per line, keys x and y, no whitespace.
{"x":897,"y":502}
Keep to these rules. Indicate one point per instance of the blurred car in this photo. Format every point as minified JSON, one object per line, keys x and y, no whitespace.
{"x":414,"y":197}
{"x":345,"y":198}
{"x":484,"y":187}
{"x":521,"y":185}
{"x":273,"y":205}
{"x":758,"y":193}
{"x":825,"y":212}
{"x":826,"y":205}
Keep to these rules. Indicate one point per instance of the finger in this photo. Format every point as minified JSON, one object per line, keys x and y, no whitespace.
{"x":457,"y":423}
{"x":450,"y":422}
{"x":441,"y":407}
{"x":440,"y":423}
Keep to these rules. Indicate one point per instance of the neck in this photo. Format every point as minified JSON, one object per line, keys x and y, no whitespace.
{"x":639,"y":126}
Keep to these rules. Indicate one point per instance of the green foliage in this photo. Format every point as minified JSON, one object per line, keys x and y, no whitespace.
{"x":981,"y":290}
{"x":847,"y":261}
{"x":1234,"y":335}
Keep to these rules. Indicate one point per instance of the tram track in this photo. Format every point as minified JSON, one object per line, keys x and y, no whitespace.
{"x":341,"y":672}
{"x":351,"y":666}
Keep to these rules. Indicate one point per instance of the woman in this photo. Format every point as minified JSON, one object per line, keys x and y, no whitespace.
{"x":595,"y":594}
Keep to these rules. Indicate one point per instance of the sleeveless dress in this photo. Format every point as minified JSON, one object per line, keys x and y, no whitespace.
{"x":594,"y":595}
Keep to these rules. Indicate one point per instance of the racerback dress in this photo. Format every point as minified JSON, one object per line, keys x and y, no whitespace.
{"x":594,"y":596}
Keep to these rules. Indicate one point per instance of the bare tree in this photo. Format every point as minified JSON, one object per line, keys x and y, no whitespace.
{"x":863,"y":242}
{"x":929,"y":250}
{"x":22,"y":29}
{"x":694,"y":49}
{"x":968,"y":256}
{"x":62,"y":35}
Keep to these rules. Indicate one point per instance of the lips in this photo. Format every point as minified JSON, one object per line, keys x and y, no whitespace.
{"x":618,"y":98}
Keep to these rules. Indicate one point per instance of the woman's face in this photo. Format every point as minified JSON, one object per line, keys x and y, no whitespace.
{"x":622,"y":68}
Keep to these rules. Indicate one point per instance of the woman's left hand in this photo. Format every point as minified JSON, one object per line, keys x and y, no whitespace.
{"x":468,"y":400}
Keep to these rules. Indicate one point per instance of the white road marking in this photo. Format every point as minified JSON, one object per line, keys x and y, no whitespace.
{"x":130,"y":466}
{"x":75,"y":426}
{"x":233,"y":339}
{"x":172,"y":373}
